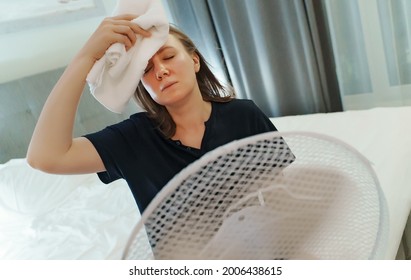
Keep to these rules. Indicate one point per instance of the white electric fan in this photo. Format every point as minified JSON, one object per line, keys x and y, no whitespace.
{"x":271,"y":196}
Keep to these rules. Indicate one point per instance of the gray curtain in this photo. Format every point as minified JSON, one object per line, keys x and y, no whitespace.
{"x":272,"y":51}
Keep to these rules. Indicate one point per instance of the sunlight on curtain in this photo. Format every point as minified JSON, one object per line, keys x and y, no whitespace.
{"x":372,"y":48}
{"x":348,"y":42}
{"x":396,"y":31}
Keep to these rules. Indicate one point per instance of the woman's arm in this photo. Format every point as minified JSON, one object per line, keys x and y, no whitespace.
{"x":52,"y":147}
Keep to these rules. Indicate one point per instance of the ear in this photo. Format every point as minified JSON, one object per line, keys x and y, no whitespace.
{"x":196,"y":60}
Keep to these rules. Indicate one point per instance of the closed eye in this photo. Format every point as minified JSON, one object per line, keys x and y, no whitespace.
{"x":150,"y":65}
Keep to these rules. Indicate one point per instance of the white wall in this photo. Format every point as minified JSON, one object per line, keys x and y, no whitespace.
{"x":41,"y":49}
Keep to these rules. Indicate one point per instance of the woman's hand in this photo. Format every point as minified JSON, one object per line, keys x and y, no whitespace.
{"x":117,"y":29}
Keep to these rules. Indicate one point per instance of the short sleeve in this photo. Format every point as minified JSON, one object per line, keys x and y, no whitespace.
{"x":111,"y":147}
{"x":262,"y":122}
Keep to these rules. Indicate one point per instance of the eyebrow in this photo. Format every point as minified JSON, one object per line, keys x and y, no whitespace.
{"x":163,"y":48}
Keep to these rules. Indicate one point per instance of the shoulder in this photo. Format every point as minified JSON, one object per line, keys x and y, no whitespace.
{"x":127,"y":127}
{"x":241,"y":118}
{"x":238,"y":107}
{"x":140,"y":119}
{"x":237,"y":103}
{"x":123,"y":133}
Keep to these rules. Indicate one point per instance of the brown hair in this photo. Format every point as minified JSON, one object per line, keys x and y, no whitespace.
{"x":210,"y":87}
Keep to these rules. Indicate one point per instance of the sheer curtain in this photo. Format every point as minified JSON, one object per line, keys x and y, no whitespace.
{"x":269,"y":51}
{"x":396,"y":32}
{"x":372,"y":46}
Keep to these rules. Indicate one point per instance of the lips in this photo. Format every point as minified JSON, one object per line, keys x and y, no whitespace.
{"x":167,"y":85}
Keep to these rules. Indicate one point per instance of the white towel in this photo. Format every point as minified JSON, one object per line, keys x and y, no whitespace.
{"x":114,"y":78}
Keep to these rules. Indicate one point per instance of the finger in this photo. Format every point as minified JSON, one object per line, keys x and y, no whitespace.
{"x":119,"y":38}
{"x":134,"y":26}
{"x":138,"y":30}
{"x":125,"y":17}
{"x":126,"y":31}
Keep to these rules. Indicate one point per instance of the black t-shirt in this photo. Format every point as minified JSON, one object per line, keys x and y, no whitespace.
{"x":136,"y":151}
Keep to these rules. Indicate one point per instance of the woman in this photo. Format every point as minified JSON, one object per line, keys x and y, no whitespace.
{"x":188,"y":113}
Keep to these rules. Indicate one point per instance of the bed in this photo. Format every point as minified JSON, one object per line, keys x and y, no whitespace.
{"x":44,"y":216}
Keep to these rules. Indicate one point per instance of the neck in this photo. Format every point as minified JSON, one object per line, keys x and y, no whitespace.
{"x":190,"y":117}
{"x":192,"y":113}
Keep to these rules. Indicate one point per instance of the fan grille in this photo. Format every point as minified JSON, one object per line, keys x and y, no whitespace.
{"x":270,"y":196}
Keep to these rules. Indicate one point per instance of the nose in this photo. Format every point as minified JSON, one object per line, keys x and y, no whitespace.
{"x":161,"y":72}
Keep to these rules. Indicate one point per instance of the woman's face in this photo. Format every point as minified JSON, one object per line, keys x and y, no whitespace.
{"x":170,"y":75}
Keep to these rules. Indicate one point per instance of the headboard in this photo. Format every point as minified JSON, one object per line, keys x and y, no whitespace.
{"x":21,"y":104}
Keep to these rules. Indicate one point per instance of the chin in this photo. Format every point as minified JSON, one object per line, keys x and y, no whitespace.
{"x":171,"y":99}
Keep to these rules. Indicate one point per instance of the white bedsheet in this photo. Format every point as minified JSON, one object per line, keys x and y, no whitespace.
{"x":383,"y":136}
{"x":45,"y":216}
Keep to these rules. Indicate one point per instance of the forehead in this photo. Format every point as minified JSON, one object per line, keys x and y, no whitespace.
{"x":172,"y":42}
